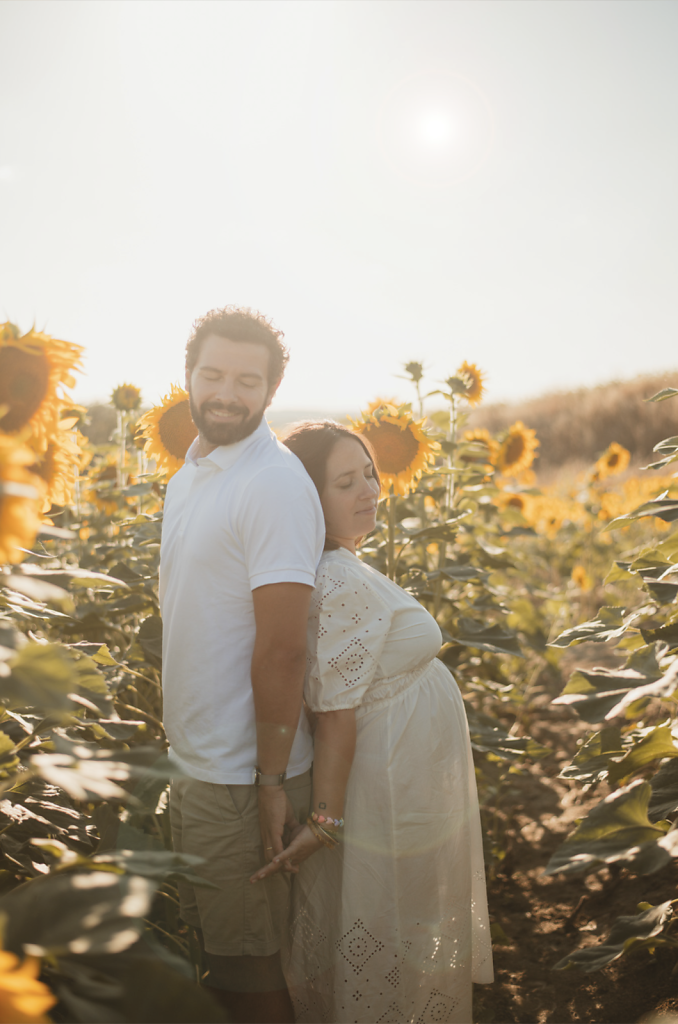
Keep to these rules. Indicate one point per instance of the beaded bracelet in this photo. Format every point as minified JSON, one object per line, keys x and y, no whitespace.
{"x":322,"y":820}
{"x":323,"y":837}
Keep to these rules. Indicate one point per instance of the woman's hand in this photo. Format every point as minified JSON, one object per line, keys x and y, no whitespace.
{"x":302,"y":845}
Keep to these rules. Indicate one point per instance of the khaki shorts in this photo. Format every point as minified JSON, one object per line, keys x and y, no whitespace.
{"x":221,"y":824}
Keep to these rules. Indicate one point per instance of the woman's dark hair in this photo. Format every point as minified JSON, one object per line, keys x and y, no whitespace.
{"x":240,"y":324}
{"x":312,"y":441}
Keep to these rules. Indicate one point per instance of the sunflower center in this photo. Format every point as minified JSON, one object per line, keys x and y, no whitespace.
{"x":177,"y":430}
{"x":516,"y":501}
{"x":395,"y":448}
{"x":613,"y":459}
{"x":515,"y":446}
{"x":24,"y":378}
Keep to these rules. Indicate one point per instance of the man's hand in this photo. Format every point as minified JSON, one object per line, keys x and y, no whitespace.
{"x":275,"y":815}
{"x":302,"y":846}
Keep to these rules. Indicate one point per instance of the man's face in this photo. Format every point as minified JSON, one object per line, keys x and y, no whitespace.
{"x":228,"y":389}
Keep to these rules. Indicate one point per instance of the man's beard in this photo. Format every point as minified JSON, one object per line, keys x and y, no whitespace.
{"x":225,"y":433}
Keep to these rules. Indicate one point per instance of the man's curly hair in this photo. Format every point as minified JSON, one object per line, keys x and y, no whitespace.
{"x":240,"y":324}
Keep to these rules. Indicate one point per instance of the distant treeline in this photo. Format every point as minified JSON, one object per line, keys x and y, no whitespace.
{"x":572,"y":426}
{"x":577,"y":426}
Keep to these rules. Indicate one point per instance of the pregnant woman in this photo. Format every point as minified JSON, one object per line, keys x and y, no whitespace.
{"x":389,"y":919}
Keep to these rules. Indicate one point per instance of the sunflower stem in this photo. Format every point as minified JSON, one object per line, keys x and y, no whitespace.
{"x":451,"y":437}
{"x":122,"y":434}
{"x":390,"y":549}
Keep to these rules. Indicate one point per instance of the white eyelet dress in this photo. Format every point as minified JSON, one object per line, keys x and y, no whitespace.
{"x":393,"y":925}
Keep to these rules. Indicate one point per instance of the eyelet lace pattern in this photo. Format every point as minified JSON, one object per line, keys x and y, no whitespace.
{"x":393,"y":925}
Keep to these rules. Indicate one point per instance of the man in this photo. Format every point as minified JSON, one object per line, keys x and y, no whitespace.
{"x":242,"y":535}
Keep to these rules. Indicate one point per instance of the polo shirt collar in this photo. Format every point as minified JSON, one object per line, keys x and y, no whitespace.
{"x":226,"y":455}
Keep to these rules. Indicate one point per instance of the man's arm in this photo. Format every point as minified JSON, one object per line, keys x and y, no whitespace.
{"x":278,"y":665}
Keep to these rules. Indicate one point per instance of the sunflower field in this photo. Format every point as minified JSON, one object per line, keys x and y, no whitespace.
{"x":558,"y":611}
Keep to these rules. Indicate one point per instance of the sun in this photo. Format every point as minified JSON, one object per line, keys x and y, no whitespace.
{"x":436,"y":128}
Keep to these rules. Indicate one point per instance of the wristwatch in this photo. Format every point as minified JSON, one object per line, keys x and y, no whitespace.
{"x":268,"y":780}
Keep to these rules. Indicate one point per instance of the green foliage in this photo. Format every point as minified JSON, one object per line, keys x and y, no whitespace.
{"x":87,"y":874}
{"x":615,"y":831}
{"x":635,"y":747}
{"x":642,"y":931}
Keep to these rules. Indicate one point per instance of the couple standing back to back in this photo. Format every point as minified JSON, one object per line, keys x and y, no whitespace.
{"x":358,"y":893}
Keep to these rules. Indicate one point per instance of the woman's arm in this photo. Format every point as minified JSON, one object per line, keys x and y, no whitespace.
{"x":335,"y":737}
{"x":334,"y":750}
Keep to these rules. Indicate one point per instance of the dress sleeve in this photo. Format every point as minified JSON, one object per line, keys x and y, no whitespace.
{"x":347,"y":630}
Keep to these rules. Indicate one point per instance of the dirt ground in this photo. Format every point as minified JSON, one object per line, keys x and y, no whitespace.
{"x":544,"y":918}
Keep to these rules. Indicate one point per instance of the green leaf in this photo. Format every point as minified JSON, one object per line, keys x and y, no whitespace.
{"x":42,"y":675}
{"x":488,"y":736}
{"x":662,"y":507}
{"x":95,"y":779}
{"x":150,"y":638}
{"x":668,"y":448}
{"x":79,"y":912}
{"x":155,"y":863}
{"x":662,"y":395}
{"x":591,"y":762}
{"x":626,"y":933}
{"x":442,"y":531}
{"x":103,"y":656}
{"x":594,"y":693}
{"x":611,"y":623}
{"x":668,"y":633}
{"x":664,"y":799}
{"x":615,"y":831}
{"x":485,"y":638}
{"x":619,"y":571}
{"x":40,"y":591}
{"x":657,"y":742}
{"x":663,"y":593}
{"x":665,"y":686}
{"x":143,"y":983}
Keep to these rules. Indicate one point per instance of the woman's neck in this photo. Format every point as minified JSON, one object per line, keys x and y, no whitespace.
{"x":345,"y":542}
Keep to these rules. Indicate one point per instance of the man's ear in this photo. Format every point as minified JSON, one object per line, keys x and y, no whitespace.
{"x":271,"y":392}
{"x":187,"y":380}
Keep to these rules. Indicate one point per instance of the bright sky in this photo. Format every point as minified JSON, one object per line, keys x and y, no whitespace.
{"x":493,"y":181}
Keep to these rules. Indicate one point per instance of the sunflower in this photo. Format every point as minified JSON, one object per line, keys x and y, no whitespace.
{"x":508,"y":500}
{"x":517,"y":449}
{"x":102,"y":480}
{"x":614,"y":460}
{"x":126,"y":398}
{"x":21,"y":494}
{"x":59,"y":464}
{"x":24,"y":999}
{"x":377,"y":403}
{"x":402,"y":448}
{"x":482,"y":437}
{"x":34,"y":369}
{"x":474,"y":379}
{"x":169,"y":431}
{"x":581,"y":578}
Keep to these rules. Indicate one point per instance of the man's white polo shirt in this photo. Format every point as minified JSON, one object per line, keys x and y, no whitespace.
{"x":246,"y":515}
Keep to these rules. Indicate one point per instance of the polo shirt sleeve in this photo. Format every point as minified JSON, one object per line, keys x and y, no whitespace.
{"x":281,"y":528}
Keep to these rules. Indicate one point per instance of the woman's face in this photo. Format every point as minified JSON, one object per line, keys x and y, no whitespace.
{"x":350,"y":495}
